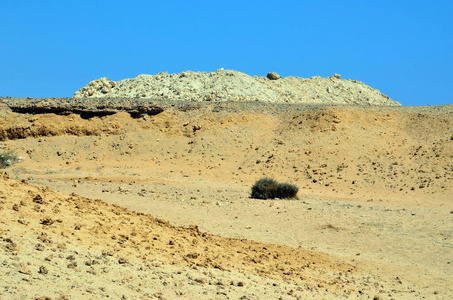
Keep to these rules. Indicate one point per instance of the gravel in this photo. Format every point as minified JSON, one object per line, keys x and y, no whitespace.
{"x":229,"y":85}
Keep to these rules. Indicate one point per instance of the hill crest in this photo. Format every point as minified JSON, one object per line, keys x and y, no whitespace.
{"x":231,"y":85}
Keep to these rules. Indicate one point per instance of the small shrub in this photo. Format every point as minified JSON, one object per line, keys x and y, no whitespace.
{"x":7,"y":158}
{"x":286,"y":190}
{"x":265,"y":188}
{"x":268,"y":188}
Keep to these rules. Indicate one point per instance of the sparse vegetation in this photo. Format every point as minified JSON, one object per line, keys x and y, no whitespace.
{"x":286,"y":190}
{"x":268,"y":188}
{"x":7,"y":158}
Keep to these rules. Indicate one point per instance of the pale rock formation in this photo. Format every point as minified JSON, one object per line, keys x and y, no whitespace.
{"x":230,"y":85}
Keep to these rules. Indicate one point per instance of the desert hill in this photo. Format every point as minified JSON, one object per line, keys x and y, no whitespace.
{"x":231,"y":85}
{"x":98,"y":180}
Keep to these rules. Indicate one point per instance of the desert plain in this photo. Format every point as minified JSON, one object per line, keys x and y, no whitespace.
{"x":135,"y":203}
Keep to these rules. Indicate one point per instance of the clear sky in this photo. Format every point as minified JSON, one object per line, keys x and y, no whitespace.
{"x":402,"y":48}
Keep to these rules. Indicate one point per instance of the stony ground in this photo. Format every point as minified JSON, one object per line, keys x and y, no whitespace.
{"x":83,"y":214}
{"x":231,"y":85}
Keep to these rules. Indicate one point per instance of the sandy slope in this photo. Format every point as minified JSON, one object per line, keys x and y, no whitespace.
{"x":373,"y":217}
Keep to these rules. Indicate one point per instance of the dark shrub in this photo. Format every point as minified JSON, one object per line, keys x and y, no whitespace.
{"x":265,"y":188}
{"x":286,"y":190}
{"x":7,"y":159}
{"x":268,"y":188}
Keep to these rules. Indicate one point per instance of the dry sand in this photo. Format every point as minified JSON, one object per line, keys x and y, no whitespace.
{"x":373,"y":219}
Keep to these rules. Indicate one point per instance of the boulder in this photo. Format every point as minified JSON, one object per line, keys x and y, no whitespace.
{"x":273,"y":76}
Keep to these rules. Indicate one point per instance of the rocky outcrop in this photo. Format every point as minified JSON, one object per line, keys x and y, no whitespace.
{"x":230,"y":85}
{"x":95,"y":87}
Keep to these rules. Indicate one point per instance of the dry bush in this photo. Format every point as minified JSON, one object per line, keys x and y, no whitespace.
{"x":7,"y":158}
{"x":268,"y":188}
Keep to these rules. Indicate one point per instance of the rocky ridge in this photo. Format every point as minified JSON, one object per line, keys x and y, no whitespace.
{"x":230,"y":85}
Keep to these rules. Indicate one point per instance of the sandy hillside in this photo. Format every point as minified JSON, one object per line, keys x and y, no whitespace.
{"x":82,"y":215}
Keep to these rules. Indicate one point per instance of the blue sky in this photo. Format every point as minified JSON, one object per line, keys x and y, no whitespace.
{"x":403,"y":48}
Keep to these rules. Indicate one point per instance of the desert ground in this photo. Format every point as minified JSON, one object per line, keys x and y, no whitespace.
{"x":155,"y":204}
